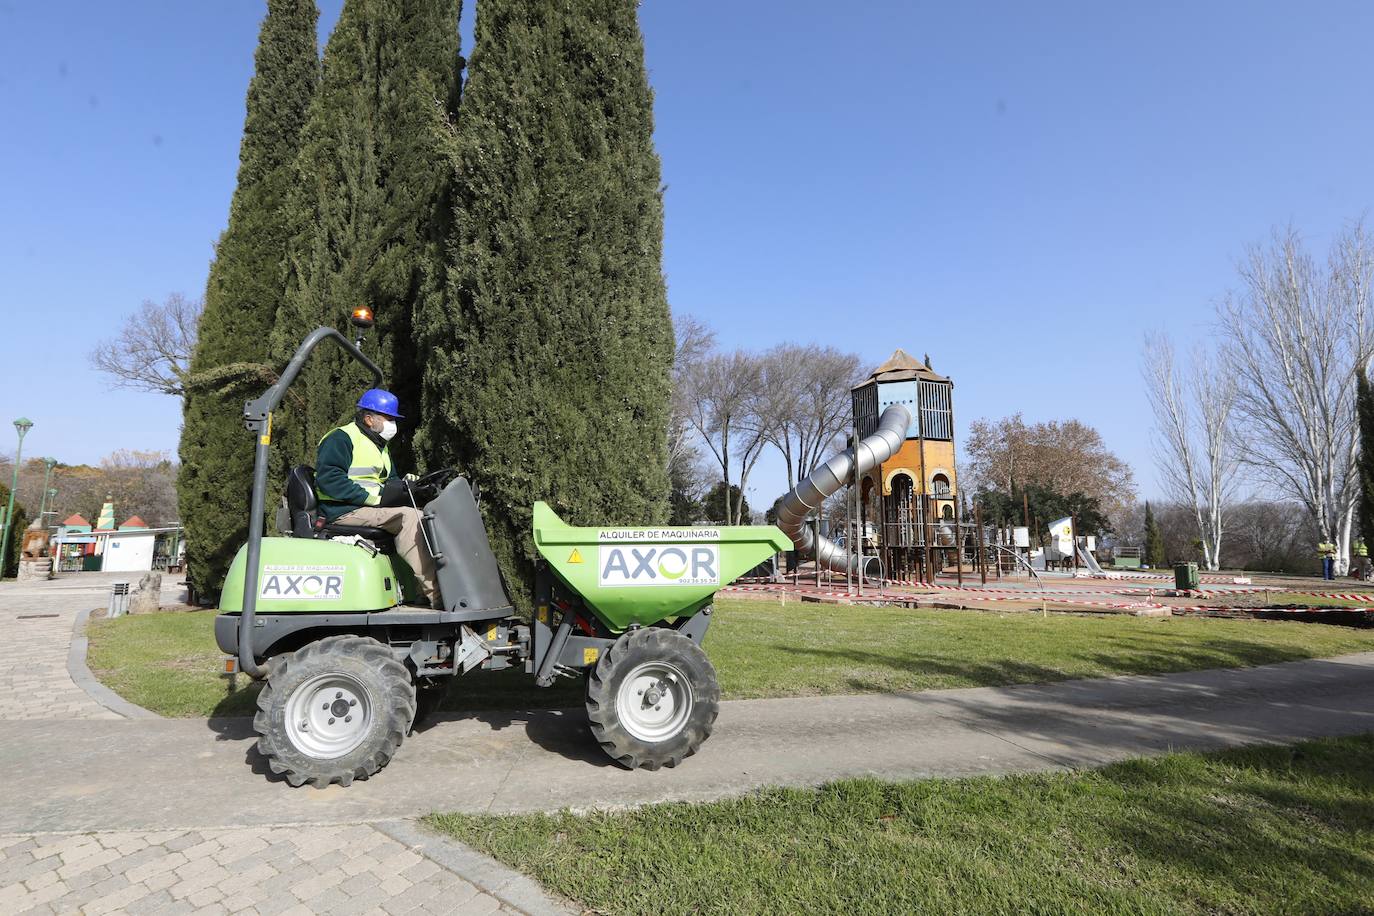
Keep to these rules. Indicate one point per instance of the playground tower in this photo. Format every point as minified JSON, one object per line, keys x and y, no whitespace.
{"x":910,"y":500}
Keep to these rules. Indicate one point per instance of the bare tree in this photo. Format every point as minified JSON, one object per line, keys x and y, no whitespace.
{"x":143,"y":483}
{"x":805,"y":402}
{"x":688,"y":475}
{"x":694,"y":342}
{"x":826,"y":402}
{"x":138,"y":482}
{"x":1294,"y":336}
{"x":1271,"y":536}
{"x":1194,"y":445}
{"x":723,"y":409}
{"x":781,"y":404}
{"x":153,"y":349}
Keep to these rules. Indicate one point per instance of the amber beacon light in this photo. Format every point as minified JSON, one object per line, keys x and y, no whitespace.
{"x":362,"y":319}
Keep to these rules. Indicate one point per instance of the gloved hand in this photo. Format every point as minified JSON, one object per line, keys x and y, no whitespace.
{"x":395,"y":493}
{"x":411,"y":478}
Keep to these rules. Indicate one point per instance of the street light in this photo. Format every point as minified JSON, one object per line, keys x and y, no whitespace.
{"x":47,"y":478}
{"x":21,"y":426}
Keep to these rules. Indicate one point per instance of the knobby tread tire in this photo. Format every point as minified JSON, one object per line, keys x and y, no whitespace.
{"x":603,"y":686}
{"x":391,"y":693}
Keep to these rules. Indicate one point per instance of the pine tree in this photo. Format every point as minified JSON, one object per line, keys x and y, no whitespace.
{"x":713,"y":506}
{"x":1154,"y":541}
{"x":547,"y":363}
{"x":1364,"y":410}
{"x":242,"y":296}
{"x":371,"y":211}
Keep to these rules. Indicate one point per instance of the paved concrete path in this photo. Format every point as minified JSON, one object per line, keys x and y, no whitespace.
{"x":131,"y":775}
{"x":62,"y":862}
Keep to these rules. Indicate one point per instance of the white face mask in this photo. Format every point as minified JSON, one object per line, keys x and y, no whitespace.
{"x":388,"y":430}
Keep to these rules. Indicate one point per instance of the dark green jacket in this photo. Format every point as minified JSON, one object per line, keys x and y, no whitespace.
{"x":332,"y":461}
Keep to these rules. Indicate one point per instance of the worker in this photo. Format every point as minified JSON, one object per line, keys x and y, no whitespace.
{"x":1328,"y":555}
{"x":1361,"y":564}
{"x":356,"y":483}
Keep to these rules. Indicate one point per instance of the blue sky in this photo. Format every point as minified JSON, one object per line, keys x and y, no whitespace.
{"x":1020,"y":190}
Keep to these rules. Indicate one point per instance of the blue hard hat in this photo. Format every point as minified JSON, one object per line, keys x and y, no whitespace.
{"x":379,"y":401}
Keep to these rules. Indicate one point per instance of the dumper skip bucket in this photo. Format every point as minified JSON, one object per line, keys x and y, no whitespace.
{"x":647,"y":575}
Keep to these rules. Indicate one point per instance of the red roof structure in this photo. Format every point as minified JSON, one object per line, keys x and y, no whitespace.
{"x":77,"y":520}
{"x":134,"y":521}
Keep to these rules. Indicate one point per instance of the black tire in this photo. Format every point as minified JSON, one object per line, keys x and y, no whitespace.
{"x":351,"y":668}
{"x":622,"y":715}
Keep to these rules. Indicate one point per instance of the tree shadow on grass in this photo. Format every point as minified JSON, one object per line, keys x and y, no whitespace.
{"x":999,"y":673}
{"x":1272,"y":820}
{"x":1209,"y":654}
{"x":1004,"y":672}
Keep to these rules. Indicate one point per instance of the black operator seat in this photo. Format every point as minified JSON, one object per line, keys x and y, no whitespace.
{"x":308,"y":522}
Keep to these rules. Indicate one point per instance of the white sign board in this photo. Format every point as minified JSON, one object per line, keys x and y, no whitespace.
{"x":131,"y":553}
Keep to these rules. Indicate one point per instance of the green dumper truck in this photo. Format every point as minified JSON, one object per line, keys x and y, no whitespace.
{"x":321,"y":615}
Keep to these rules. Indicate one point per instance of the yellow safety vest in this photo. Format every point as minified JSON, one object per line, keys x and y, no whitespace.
{"x":1360,"y":549}
{"x":371,"y":465}
{"x":1326,"y":548}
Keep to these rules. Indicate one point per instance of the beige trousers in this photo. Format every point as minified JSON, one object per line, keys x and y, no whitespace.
{"x":404,"y":523}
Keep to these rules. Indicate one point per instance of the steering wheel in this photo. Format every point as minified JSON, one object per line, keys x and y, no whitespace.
{"x":438,"y":479}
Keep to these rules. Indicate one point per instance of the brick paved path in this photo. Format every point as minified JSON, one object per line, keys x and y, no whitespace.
{"x":349,"y":868}
{"x":278,"y":870}
{"x":35,"y":636}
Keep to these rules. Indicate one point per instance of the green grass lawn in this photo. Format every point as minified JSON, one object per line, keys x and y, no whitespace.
{"x":1261,"y":830}
{"x":168,"y":662}
{"x":762,"y":649}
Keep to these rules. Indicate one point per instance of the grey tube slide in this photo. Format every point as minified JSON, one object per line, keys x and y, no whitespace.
{"x":807,"y":496}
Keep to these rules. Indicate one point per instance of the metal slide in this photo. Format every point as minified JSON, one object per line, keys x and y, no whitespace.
{"x":1087,"y":559}
{"x":807,"y":496}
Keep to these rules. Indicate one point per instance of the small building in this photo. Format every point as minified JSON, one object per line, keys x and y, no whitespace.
{"x":130,"y":547}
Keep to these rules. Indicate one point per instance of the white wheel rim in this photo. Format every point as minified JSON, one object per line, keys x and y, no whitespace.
{"x":654,"y":701}
{"x":328,"y":716}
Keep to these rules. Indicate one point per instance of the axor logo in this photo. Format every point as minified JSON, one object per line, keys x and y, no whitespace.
{"x":302,"y":583}
{"x":653,"y":564}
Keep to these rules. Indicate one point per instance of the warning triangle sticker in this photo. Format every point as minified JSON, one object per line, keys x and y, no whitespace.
{"x":575,"y":556}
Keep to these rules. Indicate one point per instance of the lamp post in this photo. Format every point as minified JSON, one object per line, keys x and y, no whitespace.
{"x":21,"y":426}
{"x":47,"y":478}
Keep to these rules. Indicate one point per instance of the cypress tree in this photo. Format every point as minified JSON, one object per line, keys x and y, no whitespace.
{"x":14,"y":537}
{"x":546,"y":367}
{"x":1154,"y":540}
{"x":242,"y":295}
{"x":371,"y":212}
{"x":1364,"y":410}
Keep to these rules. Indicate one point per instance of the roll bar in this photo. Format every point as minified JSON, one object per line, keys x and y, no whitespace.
{"x":257,"y":417}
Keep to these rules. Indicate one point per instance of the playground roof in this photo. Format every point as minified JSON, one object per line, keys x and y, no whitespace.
{"x":901,"y":366}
